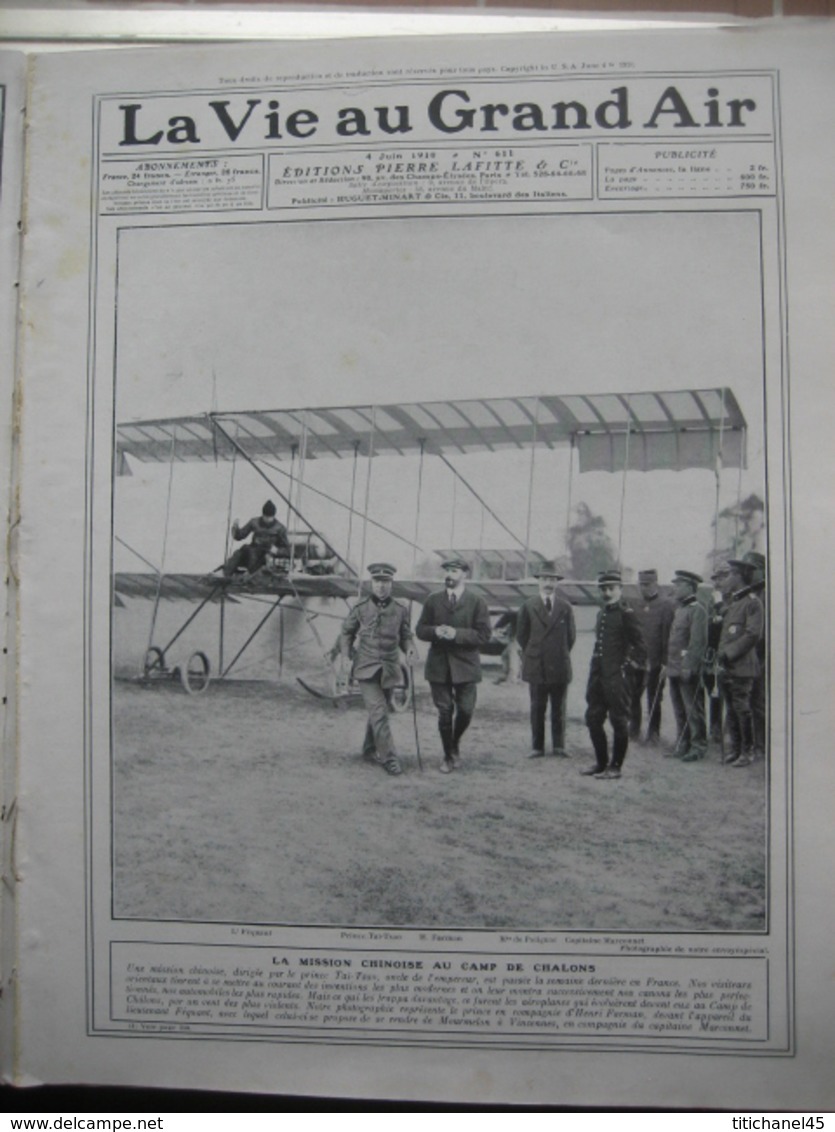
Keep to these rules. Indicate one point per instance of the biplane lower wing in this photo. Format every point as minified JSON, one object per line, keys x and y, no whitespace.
{"x":202,"y":587}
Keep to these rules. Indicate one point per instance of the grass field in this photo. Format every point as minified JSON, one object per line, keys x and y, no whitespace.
{"x":252,"y":804}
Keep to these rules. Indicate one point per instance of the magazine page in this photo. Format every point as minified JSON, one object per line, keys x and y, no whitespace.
{"x":423,"y":684}
{"x":11,"y":174}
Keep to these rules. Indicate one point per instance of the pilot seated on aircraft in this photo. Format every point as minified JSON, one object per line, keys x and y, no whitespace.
{"x":268,"y":536}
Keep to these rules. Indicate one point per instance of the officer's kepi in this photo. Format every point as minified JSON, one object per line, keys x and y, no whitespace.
{"x":382,"y":571}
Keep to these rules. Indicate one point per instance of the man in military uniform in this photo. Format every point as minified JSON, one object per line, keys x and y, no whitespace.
{"x":739,"y":666}
{"x":618,"y":658}
{"x":757,"y":562}
{"x":655,"y":616}
{"x":546,"y":635}
{"x":685,"y":657}
{"x":374,"y":632}
{"x":457,"y":623}
{"x":715,"y":616}
{"x":268,"y":535}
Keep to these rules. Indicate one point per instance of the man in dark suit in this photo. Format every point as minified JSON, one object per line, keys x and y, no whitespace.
{"x":457,"y":625}
{"x":546,"y":633}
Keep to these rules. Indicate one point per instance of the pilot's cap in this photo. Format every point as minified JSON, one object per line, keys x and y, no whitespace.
{"x":383,"y":571}
{"x":268,"y":508}
{"x":456,"y":564}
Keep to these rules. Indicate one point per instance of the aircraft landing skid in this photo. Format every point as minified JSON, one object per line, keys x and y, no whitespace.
{"x":342,"y":694}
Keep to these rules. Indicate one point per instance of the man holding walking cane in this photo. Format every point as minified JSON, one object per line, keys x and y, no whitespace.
{"x":374,"y":632}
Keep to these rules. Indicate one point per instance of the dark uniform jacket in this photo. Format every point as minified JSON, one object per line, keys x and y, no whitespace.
{"x":546,"y":640}
{"x":458,"y":661}
{"x":619,"y":647}
{"x":655,"y":616}
{"x":376,"y":633}
{"x":742,"y":628}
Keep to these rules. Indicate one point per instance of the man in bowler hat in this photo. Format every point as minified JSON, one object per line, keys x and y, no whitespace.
{"x":546,"y":633}
{"x":457,"y":624}
{"x":618,"y":659}
{"x":374,"y":633}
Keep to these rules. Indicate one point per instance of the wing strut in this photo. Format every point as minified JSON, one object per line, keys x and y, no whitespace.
{"x":367,"y":495}
{"x":164,"y":537}
{"x":351,"y":511}
{"x":417,"y":510}
{"x":718,"y":474}
{"x":625,"y":476}
{"x":570,"y":499}
{"x":483,"y":502}
{"x":227,"y":551}
{"x":534,"y":430}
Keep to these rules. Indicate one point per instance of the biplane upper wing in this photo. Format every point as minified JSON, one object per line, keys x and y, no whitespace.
{"x":696,"y":428}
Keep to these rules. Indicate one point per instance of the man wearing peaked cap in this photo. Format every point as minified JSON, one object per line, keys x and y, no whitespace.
{"x":758,"y":564}
{"x":618,"y":659}
{"x":382,"y":571}
{"x":457,"y":624}
{"x":739,"y":665}
{"x":546,"y":635}
{"x":374,"y":632}
{"x":685,"y":659}
{"x":655,"y":616}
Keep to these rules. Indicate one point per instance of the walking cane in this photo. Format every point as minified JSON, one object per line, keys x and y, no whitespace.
{"x":686,"y":728}
{"x":712,"y":665}
{"x":658,"y":691}
{"x":414,"y":718}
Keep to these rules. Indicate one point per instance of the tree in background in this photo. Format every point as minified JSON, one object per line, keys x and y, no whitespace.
{"x":737,"y":529}
{"x":589,"y":546}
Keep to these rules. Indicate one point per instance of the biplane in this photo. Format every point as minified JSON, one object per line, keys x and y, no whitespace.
{"x":617,"y":433}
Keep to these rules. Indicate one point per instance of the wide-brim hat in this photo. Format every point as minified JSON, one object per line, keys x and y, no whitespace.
{"x":456,"y":564}
{"x":548,"y":569}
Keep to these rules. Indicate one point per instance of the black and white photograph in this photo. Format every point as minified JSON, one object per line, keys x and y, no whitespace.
{"x":307,"y":414}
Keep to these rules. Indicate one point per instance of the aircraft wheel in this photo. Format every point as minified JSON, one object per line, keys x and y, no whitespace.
{"x":154,"y":663}
{"x":401,"y":694}
{"x":194,"y":677}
